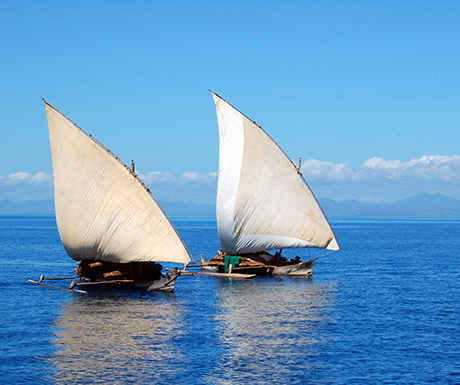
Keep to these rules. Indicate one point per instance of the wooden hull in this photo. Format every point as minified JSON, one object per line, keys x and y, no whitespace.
{"x":166,"y":284}
{"x":131,"y":277}
{"x":216,"y":274}
{"x":136,"y":275}
{"x":302,"y":269}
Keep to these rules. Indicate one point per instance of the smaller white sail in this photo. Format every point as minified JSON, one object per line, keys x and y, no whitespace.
{"x":103,"y":210}
{"x":263,"y":202}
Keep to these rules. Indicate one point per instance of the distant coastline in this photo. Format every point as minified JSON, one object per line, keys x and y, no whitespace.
{"x":422,"y":205}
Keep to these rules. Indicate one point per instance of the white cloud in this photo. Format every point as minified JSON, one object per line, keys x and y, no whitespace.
{"x":41,"y":178}
{"x":316,"y":169}
{"x":380,"y":180}
{"x":428,"y":167}
{"x":22,"y":177}
{"x":376,"y":180}
{"x":191,"y":176}
{"x":197,"y":177}
{"x":156,"y":177}
{"x":188,"y":187}
{"x":23,"y":186}
{"x":19,"y":177}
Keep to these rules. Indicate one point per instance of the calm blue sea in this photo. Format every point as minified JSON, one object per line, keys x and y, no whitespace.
{"x":385,"y":310}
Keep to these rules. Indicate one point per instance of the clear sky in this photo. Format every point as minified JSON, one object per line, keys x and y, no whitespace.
{"x":366,"y":92}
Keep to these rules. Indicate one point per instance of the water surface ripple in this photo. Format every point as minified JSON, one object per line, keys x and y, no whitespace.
{"x":384,"y":310}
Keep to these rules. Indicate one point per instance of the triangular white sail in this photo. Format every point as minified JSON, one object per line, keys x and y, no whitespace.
{"x":263,"y":203}
{"x":103,"y":210}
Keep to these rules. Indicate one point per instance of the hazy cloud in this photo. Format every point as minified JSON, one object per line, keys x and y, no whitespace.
{"x":380,"y":180}
{"x":41,"y":178}
{"x":156,"y":177}
{"x":428,"y":167}
{"x":197,"y":177}
{"x":376,"y":180}
{"x":188,"y":187}
{"x":22,"y":177}
{"x":23,"y":186}
{"x":316,"y":169}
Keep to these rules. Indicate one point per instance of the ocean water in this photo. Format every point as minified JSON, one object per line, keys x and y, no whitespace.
{"x":385,"y":310}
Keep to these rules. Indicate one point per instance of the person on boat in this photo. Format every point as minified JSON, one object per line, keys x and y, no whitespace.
{"x":295,"y":261}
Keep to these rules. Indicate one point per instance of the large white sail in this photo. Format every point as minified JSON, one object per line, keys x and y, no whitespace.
{"x":263,"y":203}
{"x":103,"y":211}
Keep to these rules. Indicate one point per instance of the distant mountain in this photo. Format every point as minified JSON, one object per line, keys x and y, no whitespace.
{"x":423,"y":205}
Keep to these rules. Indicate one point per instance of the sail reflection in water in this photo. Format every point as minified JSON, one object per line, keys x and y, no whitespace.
{"x":116,"y":339}
{"x":270,"y":327}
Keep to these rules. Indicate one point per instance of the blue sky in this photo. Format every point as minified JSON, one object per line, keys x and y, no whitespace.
{"x":367,"y":93}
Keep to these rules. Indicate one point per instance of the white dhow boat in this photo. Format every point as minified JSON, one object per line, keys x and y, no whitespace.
{"x":263,"y":203}
{"x":107,"y":218}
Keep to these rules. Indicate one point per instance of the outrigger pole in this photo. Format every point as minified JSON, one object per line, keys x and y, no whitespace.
{"x":59,"y":288}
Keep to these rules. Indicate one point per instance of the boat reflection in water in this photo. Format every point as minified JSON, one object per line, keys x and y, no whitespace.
{"x":116,"y":338}
{"x":270,"y":326}
{"x":218,"y":331}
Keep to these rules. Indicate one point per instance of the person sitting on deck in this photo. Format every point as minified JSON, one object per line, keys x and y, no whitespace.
{"x":295,"y":261}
